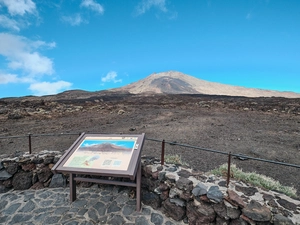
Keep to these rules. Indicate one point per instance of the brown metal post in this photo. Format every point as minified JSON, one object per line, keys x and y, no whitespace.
{"x":163,"y":153}
{"x":138,"y":187}
{"x":72,"y":187}
{"x":228,"y":171}
{"x":29,"y":143}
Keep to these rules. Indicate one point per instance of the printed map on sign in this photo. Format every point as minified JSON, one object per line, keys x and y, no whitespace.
{"x":113,"y":153}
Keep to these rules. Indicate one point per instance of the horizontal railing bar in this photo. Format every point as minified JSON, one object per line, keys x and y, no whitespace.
{"x":190,"y":146}
{"x":8,"y":137}
{"x":39,"y":135}
{"x":266,"y":160}
{"x":225,"y":153}
{"x":171,"y":143}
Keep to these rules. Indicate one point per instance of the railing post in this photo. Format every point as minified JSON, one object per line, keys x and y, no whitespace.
{"x":29,"y":142}
{"x":228,"y":171}
{"x":162,"y":152}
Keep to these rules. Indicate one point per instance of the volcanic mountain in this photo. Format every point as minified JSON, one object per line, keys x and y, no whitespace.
{"x":104,"y":147}
{"x":173,"y":82}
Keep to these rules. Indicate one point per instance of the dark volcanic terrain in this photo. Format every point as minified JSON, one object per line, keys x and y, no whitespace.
{"x":259,"y":127}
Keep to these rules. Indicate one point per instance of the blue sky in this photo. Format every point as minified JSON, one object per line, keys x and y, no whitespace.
{"x":49,"y":46}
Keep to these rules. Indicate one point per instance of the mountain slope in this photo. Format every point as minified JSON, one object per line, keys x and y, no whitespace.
{"x":173,"y":82}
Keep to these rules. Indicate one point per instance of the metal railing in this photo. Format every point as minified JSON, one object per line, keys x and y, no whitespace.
{"x":163,"y":142}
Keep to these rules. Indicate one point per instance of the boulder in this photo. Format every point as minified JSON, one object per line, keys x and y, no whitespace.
{"x":221,"y":210}
{"x":4,"y":175}
{"x":44,"y":174}
{"x":255,"y":211}
{"x":184,"y":184}
{"x":231,"y":211}
{"x":151,"y":199}
{"x":12,"y":168}
{"x":174,"y":211}
{"x":58,"y":180}
{"x":200,"y":189}
{"x":287,"y":205}
{"x":201,"y":214}
{"x":282,"y":220}
{"x":234,"y":198}
{"x":249,"y":191}
{"x":215,"y":194}
{"x":22,"y":180}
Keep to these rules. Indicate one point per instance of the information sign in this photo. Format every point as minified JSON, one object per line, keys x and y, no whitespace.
{"x":105,"y":155}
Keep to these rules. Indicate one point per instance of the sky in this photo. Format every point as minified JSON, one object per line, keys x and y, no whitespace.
{"x":50,"y":46}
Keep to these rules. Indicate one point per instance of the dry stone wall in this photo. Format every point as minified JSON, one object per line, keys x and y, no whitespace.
{"x":180,"y":192}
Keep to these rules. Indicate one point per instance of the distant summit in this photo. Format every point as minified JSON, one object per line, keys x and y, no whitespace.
{"x":173,"y":82}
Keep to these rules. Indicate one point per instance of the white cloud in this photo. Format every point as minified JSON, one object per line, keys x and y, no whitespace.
{"x":145,"y":5}
{"x":19,"y":7}
{"x":8,"y":78}
{"x":21,"y":53}
{"x":48,"y":88}
{"x":13,"y":78}
{"x":75,"y":20}
{"x":111,"y":77}
{"x":92,"y":5}
{"x":9,"y":23}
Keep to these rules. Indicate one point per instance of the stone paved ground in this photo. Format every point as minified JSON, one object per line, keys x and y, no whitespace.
{"x":95,"y":205}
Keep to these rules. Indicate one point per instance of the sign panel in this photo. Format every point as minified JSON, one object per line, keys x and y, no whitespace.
{"x":103,"y":154}
{"x":111,"y":153}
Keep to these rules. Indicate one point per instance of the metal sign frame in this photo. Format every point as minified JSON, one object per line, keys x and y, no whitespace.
{"x":75,"y":162}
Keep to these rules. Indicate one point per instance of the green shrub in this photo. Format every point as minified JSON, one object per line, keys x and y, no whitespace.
{"x":175,"y":159}
{"x":255,"y":179}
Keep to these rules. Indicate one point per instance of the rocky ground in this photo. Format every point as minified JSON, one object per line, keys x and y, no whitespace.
{"x":266,"y":128}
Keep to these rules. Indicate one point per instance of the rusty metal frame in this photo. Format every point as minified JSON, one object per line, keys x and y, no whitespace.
{"x":133,"y":172}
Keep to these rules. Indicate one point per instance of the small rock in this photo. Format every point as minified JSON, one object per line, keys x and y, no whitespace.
{"x":282,"y":220}
{"x":4,"y":175}
{"x":215,"y":194}
{"x":235,"y":198}
{"x":200,"y":189}
{"x":178,"y":202}
{"x":249,"y":191}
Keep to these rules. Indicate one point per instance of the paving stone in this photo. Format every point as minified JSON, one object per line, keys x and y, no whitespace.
{"x":106,"y":198}
{"x":3,"y":203}
{"x":157,"y":219}
{"x":11,"y":209}
{"x":116,"y":220}
{"x":61,"y":210}
{"x":72,"y":223}
{"x":28,"y":196}
{"x":101,"y":208}
{"x":79,"y":203}
{"x":52,"y":220}
{"x":18,"y":218}
{"x":128,"y":210}
{"x":46,"y":203}
{"x":93,"y":215}
{"x":81,"y":212}
{"x":141,"y":221}
{"x":103,"y":220}
{"x":40,"y":217}
{"x":113,"y":207}
{"x":28,"y":207}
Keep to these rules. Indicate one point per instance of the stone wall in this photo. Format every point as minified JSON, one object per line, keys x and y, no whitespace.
{"x":180,"y":192}
{"x":185,"y":194}
{"x":23,"y":171}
